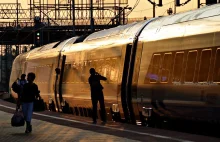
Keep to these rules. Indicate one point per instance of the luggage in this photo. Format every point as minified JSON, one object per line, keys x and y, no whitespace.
{"x":15,"y":87}
{"x":39,"y":105}
{"x":17,"y":119}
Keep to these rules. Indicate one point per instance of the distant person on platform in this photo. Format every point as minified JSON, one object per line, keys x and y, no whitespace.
{"x":21,"y":83}
{"x":30,"y":92}
{"x":97,"y":94}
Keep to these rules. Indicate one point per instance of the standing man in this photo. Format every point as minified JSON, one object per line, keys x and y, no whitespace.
{"x":97,"y":94}
{"x":30,"y":92}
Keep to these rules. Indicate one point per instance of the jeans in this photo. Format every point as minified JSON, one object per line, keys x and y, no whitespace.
{"x":27,"y":109}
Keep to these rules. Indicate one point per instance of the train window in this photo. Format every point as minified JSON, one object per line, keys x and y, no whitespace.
{"x":190,"y":66}
{"x":166,"y":67}
{"x":88,"y":66}
{"x":153,"y":73}
{"x":77,"y":72}
{"x":216,"y":77}
{"x":178,"y":66}
{"x":100,"y":63}
{"x":101,"y":66}
{"x":80,"y":72}
{"x":68,"y":74}
{"x":95,"y":64}
{"x":44,"y":72}
{"x":205,"y":61}
{"x":113,"y":71}
{"x":84,"y":71}
{"x":107,"y":68}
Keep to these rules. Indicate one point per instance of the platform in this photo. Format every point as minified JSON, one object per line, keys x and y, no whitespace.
{"x":58,"y":127}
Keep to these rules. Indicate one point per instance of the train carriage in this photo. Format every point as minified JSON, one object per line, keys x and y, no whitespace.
{"x":179,"y":67}
{"x":163,"y":67}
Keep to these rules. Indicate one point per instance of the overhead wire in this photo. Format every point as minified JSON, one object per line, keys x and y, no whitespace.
{"x":152,"y":8}
{"x":135,"y":5}
{"x":184,"y":3}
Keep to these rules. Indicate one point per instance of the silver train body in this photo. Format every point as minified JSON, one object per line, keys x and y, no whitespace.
{"x":169,"y":66}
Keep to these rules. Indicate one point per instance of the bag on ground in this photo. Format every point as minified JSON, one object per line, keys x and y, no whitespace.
{"x":17,"y":119}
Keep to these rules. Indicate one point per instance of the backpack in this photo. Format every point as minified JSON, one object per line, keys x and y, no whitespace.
{"x":15,"y":87}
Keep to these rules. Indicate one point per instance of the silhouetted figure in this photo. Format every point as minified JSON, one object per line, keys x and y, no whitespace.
{"x":97,"y":94}
{"x":30,"y":92}
{"x":21,"y":83}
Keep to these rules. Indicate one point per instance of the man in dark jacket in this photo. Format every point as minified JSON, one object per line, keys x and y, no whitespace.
{"x":97,"y":94}
{"x":30,"y":92}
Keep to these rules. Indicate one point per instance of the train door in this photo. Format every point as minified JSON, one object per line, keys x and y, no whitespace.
{"x":124,"y":82}
{"x":58,"y":81}
{"x":134,"y":83}
{"x":130,"y":78}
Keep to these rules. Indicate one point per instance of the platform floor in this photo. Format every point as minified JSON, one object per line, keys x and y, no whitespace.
{"x":49,"y":132}
{"x":58,"y":127}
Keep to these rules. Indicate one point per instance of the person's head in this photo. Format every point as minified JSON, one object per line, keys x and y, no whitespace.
{"x":23,"y":76}
{"x":92,"y":71}
{"x":31,"y":76}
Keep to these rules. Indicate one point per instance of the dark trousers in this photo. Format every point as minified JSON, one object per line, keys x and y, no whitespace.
{"x":98,"y":97}
{"x":18,"y":102}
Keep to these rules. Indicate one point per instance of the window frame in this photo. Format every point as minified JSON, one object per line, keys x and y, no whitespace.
{"x":161,"y":65}
{"x":174,"y":61}
{"x":186,"y":65}
{"x":200,"y":65}
{"x":215,"y":66}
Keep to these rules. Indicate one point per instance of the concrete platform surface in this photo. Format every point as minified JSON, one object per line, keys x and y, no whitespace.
{"x":59,"y":127}
{"x":49,"y":132}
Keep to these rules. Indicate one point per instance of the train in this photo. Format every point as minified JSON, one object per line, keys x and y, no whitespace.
{"x":168,"y":66}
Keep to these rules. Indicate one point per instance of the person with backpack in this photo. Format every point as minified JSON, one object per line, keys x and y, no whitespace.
{"x":17,"y":87}
{"x":22,"y":81}
{"x":97,"y":94}
{"x":30,"y":92}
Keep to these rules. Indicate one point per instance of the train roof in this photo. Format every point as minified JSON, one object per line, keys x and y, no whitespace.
{"x":126,"y":33}
{"x":107,"y":38}
{"x":200,"y":21}
{"x":200,"y":13}
{"x":128,"y":30}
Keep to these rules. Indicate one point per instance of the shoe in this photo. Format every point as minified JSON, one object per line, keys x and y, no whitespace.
{"x":94,"y":122}
{"x":103,"y":122}
{"x":26,"y":131}
{"x":30,"y":128}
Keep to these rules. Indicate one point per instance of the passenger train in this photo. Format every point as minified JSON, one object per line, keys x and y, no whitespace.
{"x":163,"y":67}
